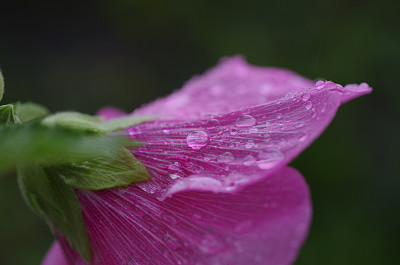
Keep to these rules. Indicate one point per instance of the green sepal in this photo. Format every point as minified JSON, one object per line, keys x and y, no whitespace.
{"x":36,"y":143}
{"x":75,"y":121}
{"x":1,"y":85}
{"x":124,"y":122}
{"x":8,"y":115}
{"x":92,"y":124}
{"x":110,"y":169}
{"x":29,"y":111}
{"x":56,"y":203}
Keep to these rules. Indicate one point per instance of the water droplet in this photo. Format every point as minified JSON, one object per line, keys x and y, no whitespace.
{"x":174,"y":176}
{"x":308,"y":105}
{"x":207,"y":157}
{"x":226,"y":157}
{"x":319,"y":84}
{"x":245,"y":120}
{"x":303,"y":138}
{"x":249,"y":144}
{"x":166,"y":131}
{"x":212,"y":123}
{"x":197,"y":139}
{"x":249,"y":160}
{"x":175,"y":167}
{"x":269,"y":159}
{"x":305,"y":97}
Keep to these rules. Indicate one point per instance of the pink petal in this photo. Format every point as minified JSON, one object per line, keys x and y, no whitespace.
{"x":55,"y":255}
{"x":265,"y":223}
{"x":110,"y":113}
{"x":224,"y":153}
{"x":231,"y":85}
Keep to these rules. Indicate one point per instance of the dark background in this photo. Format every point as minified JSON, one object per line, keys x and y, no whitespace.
{"x":83,"y":55}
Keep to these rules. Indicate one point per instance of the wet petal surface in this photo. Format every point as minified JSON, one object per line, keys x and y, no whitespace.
{"x":226,"y":152}
{"x":265,"y":223}
{"x":231,"y":85}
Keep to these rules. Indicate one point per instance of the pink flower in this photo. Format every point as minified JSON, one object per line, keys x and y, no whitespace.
{"x":220,"y":190}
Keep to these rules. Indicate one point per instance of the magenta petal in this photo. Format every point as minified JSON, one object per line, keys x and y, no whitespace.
{"x":55,"y":255}
{"x":265,"y":223}
{"x":224,"y":153}
{"x":231,"y":85}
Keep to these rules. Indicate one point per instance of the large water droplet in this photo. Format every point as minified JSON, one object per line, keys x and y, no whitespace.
{"x":197,"y":139}
{"x":308,"y":105}
{"x":226,"y":157}
{"x":245,"y":120}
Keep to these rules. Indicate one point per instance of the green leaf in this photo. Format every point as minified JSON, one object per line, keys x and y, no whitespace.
{"x":75,"y":121}
{"x":56,"y":203}
{"x":110,"y":169}
{"x":124,"y":122}
{"x":1,"y":85}
{"x":8,"y":115}
{"x":36,"y":143}
{"x":30,"y":111}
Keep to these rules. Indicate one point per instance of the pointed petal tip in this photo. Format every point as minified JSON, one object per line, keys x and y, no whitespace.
{"x":347,"y":92}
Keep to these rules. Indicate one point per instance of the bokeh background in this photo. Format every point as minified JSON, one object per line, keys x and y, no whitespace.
{"x":82,"y":55}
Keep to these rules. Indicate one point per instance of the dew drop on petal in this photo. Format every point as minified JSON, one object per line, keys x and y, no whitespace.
{"x":249,"y":160}
{"x":174,"y":176}
{"x":212,"y":123}
{"x":197,"y":139}
{"x":308,"y":105}
{"x":245,"y":121}
{"x":175,"y":167}
{"x":226,"y":157}
{"x":319,"y":84}
{"x":269,"y":159}
{"x":303,"y":138}
{"x":249,"y":144}
{"x":305,"y":97}
{"x":207,"y":157}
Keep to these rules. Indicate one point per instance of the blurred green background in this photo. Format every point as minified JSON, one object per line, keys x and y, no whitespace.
{"x":82,"y":55}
